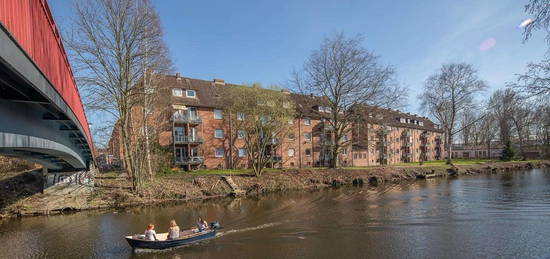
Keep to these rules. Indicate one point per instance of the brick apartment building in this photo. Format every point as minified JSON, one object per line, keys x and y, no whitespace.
{"x":201,"y":134}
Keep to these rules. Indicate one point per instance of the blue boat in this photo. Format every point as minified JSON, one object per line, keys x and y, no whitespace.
{"x":186,"y":237}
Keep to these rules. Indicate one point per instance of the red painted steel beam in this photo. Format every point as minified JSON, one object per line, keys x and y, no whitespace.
{"x":32,"y":25}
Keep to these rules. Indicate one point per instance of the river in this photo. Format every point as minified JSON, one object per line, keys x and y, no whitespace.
{"x":501,"y":215}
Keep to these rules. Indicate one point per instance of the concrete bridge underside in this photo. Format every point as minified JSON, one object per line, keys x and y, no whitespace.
{"x":35,"y":122}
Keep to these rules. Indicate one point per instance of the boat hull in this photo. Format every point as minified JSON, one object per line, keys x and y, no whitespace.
{"x":164,"y":244}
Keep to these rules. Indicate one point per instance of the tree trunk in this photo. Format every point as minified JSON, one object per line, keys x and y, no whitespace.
{"x":147,"y":145}
{"x":449,"y":146}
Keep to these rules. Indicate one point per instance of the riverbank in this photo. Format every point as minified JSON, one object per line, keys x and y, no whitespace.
{"x":112,"y":190}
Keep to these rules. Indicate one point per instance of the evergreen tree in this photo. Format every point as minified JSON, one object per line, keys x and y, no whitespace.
{"x":507,"y":152}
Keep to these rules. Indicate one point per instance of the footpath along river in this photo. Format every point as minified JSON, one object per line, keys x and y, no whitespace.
{"x":500,"y":215}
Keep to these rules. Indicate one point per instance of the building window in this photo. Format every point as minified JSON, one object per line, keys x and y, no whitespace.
{"x":240,"y":116}
{"x":218,"y":133}
{"x":307,"y":136}
{"x":242,"y":152}
{"x":344,"y":151}
{"x":354,"y":156}
{"x":308,"y":152}
{"x":291,"y":152}
{"x":328,"y":109}
{"x":291,"y":122}
{"x":345,"y":138}
{"x":191,"y":93}
{"x":177,"y":92}
{"x":240,"y":134}
{"x":291,"y":136}
{"x":307,"y":122}
{"x":220,"y":152}
{"x":218,"y":114}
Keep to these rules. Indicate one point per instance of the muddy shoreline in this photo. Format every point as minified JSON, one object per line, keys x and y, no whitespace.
{"x":113,"y":192}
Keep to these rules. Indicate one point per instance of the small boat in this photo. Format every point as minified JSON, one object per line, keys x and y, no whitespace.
{"x":186,"y":237}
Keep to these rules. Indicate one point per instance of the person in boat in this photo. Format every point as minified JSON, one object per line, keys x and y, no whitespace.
{"x":202,"y":224}
{"x":150,"y":233}
{"x":173,"y":231}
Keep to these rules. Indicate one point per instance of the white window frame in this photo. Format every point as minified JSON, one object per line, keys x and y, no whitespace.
{"x":291,"y":152}
{"x":191,"y":96}
{"x":307,"y":121}
{"x":241,"y":116}
{"x":242,"y":152}
{"x":176,"y":90}
{"x":307,"y":134}
{"x":293,"y":136}
{"x":219,"y":130}
{"x":239,"y":135}
{"x":218,"y":114}
{"x":222,"y":152}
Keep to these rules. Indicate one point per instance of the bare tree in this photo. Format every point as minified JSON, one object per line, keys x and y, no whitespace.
{"x":501,"y":105}
{"x":540,"y":10}
{"x":348,"y":76}
{"x":488,"y":129}
{"x":467,"y":121}
{"x":448,"y":93}
{"x":541,"y":127}
{"x":113,"y":44}
{"x":536,"y":81}
{"x":261,"y":120}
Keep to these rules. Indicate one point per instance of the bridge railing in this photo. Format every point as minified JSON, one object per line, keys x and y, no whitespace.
{"x":32,"y":25}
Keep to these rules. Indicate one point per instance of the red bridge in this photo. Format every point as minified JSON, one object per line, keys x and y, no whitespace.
{"x":41,"y":114}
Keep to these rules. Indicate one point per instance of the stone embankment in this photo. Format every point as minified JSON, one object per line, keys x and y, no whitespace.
{"x":113,"y":191}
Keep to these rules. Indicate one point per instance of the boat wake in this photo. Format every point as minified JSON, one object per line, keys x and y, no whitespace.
{"x":233,"y":231}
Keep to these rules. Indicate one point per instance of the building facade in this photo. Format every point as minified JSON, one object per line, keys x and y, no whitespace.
{"x":202,"y":135}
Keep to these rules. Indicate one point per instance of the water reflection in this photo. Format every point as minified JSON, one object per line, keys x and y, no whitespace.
{"x":503,"y":215}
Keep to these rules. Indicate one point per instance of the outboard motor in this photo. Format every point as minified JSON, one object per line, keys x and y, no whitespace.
{"x":215,"y":225}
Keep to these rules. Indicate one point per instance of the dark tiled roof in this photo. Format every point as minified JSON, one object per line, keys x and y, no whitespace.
{"x":210,"y":94}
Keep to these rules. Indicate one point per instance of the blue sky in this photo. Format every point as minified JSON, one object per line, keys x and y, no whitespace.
{"x":263,"y":41}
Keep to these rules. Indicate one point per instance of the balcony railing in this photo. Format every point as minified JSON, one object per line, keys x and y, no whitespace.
{"x":187,"y":118}
{"x":327,"y":142}
{"x":407,"y":144}
{"x":192,"y":160}
{"x":275,"y":159}
{"x":188,"y":140}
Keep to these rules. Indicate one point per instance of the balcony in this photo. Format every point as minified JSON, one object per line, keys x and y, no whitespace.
{"x":188,"y":140}
{"x":426,"y":145}
{"x":407,"y":144}
{"x":186,"y":118}
{"x":407,"y":134}
{"x":192,"y":160}
{"x":407,"y":155}
{"x":327,"y":142}
{"x":273,"y":141}
{"x":275,"y":159}
{"x":426,"y":134}
{"x":384,"y":143}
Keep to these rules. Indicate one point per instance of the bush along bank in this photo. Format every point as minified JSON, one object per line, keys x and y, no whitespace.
{"x":112,"y":190}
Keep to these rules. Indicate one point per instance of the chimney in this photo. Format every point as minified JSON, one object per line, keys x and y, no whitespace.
{"x":218,"y":81}
{"x":178,"y":76}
